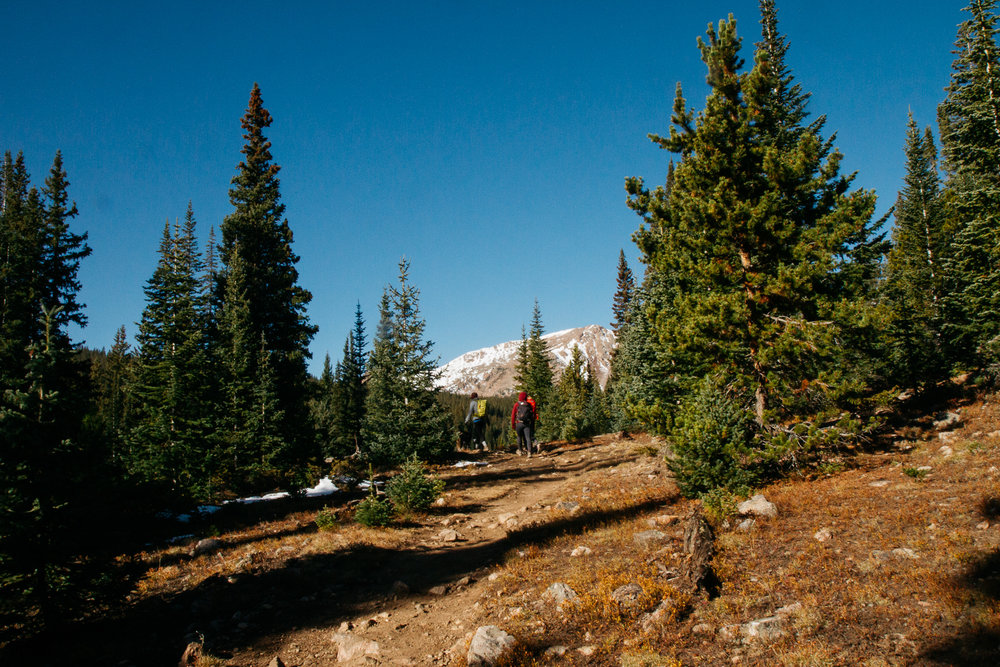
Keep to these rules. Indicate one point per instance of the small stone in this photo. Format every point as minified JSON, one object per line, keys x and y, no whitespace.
{"x":946,"y":451}
{"x":627,"y":595}
{"x":746,"y":525}
{"x":206,"y":546}
{"x":438,"y":590}
{"x":903,"y":552}
{"x":399,"y":588}
{"x":823,"y":535}
{"x":449,"y":535}
{"x":758,"y":505}
{"x":493,"y":576}
{"x":586,"y":651}
{"x":570,"y":506}
{"x":559,"y":593}
{"x":557,"y":651}
{"x":276,"y":662}
{"x":350,"y":647}
{"x":880,"y":483}
{"x":581,"y":551}
{"x":789,"y":609}
{"x":765,"y":629}
{"x":489,"y":645}
{"x":983,"y":525}
{"x":702,"y":629}
{"x":650,"y":538}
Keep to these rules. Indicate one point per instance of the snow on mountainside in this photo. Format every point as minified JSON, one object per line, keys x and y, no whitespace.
{"x":490,"y":371}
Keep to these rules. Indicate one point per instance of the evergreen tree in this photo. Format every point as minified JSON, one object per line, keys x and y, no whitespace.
{"x":322,"y":410}
{"x":42,"y":392}
{"x":913,"y":286}
{"x":403,"y":416}
{"x":969,"y":121}
{"x":573,"y":395}
{"x":765,"y":260}
{"x":538,"y":378}
{"x":111,"y":377}
{"x":624,"y":294}
{"x":271,"y":306}
{"x":171,"y":441}
{"x":351,"y":388}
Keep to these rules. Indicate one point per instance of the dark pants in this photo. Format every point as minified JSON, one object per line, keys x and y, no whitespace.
{"x":523,"y":437}
{"x":478,"y":433}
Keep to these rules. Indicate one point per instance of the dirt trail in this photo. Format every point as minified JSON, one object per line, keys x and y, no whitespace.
{"x":424,"y":601}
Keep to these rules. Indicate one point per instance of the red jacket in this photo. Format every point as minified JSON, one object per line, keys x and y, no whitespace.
{"x":513,"y":413}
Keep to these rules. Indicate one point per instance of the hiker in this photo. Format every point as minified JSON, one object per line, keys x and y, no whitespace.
{"x":522,"y":420}
{"x":477,"y":414}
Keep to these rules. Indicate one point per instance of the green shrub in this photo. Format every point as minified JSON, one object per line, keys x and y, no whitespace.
{"x":711,"y":442}
{"x":412,"y":490}
{"x":326,"y":519}
{"x":374,"y":511}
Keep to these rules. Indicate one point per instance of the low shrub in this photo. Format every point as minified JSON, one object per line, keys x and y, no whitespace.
{"x":413,"y":490}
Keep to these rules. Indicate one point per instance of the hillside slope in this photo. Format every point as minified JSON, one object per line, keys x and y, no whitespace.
{"x":886,"y":557}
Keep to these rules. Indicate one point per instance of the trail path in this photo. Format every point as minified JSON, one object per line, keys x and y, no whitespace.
{"x":422,"y":600}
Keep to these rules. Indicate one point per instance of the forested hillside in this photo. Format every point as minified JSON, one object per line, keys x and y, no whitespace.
{"x":775,"y":321}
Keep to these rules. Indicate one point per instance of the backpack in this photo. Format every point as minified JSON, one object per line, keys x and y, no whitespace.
{"x":480,"y":408}
{"x":525,"y":414}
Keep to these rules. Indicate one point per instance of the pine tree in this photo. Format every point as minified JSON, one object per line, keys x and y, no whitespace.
{"x":272,"y":305}
{"x":969,"y":122}
{"x":623,"y":297}
{"x":765,"y":260}
{"x":538,"y":379}
{"x":403,"y":416}
{"x":913,"y":286}
{"x":351,"y":389}
{"x":171,"y":441}
{"x":111,"y":377}
{"x":42,"y":391}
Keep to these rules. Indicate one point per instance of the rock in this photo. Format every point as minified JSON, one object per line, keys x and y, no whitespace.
{"x":345,"y":627}
{"x":570,"y":506}
{"x":627,"y":595}
{"x":351,"y":646}
{"x":648,"y":538}
{"x":399,"y":589}
{"x":823,"y":535}
{"x":903,"y":552}
{"x":746,"y":525}
{"x":880,"y":483}
{"x":438,"y":590}
{"x":276,"y":662}
{"x":489,"y":645}
{"x":449,"y":535}
{"x":983,"y":525}
{"x":206,"y":546}
{"x":947,"y":436}
{"x":559,"y":593}
{"x":946,"y":451}
{"x":702,"y":629}
{"x":557,"y":651}
{"x":948,"y":420}
{"x":586,"y":651}
{"x":191,"y":655}
{"x":758,"y":505}
{"x":766,"y":629}
{"x":654,"y":620}
{"x":729,"y":633}
{"x":581,"y":551}
{"x":507,"y":518}
{"x":664,"y":520}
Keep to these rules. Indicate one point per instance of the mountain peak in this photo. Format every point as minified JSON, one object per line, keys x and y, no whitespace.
{"x":490,"y":370}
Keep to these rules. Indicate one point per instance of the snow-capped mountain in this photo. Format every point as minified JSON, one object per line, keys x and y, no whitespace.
{"x":490,"y":371}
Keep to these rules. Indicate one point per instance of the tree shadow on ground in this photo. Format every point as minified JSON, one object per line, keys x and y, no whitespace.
{"x":256,"y":608}
{"x":978,"y":643}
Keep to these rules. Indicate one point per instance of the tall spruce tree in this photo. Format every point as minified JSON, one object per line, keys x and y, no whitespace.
{"x":42,"y":386}
{"x":538,"y":377}
{"x":623,"y":295}
{"x":270,"y":307}
{"x":969,"y":122}
{"x":766,"y":260}
{"x":351,"y":388}
{"x":403,"y":416}
{"x":171,"y":442}
{"x":914,"y":283}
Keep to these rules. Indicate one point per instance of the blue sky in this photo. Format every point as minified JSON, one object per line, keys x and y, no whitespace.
{"x":485,"y":141}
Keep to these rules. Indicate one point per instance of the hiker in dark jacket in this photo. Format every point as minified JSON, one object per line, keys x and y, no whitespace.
{"x":477,"y":415}
{"x":522,"y":420}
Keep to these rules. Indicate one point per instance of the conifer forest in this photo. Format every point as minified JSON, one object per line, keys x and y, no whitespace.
{"x":774,"y":317}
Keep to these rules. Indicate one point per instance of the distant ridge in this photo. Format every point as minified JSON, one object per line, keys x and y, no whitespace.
{"x":490,"y":371}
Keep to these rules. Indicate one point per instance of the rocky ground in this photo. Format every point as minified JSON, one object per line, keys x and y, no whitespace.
{"x":883,"y":556}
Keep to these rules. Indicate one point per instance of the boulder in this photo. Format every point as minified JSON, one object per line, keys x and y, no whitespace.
{"x":648,"y":538}
{"x":559,"y":593}
{"x":489,"y":645}
{"x":206,"y":546}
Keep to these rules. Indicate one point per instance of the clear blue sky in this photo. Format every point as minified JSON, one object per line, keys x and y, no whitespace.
{"x":486,"y":141}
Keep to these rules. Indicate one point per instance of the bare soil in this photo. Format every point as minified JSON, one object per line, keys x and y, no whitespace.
{"x":884,"y":556}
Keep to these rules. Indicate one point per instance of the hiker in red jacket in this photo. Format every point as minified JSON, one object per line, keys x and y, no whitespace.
{"x":522,"y":420}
